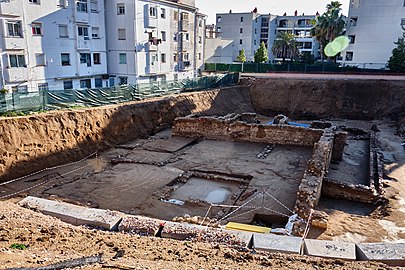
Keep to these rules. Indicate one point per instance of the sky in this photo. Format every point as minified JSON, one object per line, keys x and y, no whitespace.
{"x":276,"y":7}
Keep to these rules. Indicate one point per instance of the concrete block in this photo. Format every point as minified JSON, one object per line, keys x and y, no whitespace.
{"x":389,"y":253}
{"x":330,"y":249}
{"x":244,"y":237}
{"x":277,"y":243}
{"x":74,"y":214}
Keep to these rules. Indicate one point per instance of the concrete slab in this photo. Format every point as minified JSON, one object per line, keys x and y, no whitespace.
{"x":74,"y":214}
{"x":389,"y":253}
{"x":330,"y":249}
{"x":170,"y":145}
{"x":277,"y":243}
{"x":244,"y":237}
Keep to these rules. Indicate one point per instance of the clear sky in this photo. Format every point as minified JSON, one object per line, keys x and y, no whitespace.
{"x":276,"y":7}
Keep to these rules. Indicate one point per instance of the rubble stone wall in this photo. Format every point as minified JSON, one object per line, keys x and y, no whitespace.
{"x":233,"y":130}
{"x":357,"y":193}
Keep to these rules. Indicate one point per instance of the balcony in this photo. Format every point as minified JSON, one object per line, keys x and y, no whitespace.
{"x":10,"y":8}
{"x":15,"y":74}
{"x":184,"y":25}
{"x":83,"y":43}
{"x":14,"y":43}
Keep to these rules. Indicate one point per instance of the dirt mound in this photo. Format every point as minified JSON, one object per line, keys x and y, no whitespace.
{"x":50,"y":241}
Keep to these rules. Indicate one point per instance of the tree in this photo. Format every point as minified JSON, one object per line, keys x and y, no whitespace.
{"x":397,"y":60}
{"x":329,"y":25}
{"x":241,"y":57}
{"x":285,"y":46}
{"x":261,"y":55}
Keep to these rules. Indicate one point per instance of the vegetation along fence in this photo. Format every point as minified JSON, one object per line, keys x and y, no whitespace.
{"x":20,"y":103}
{"x":288,"y":67}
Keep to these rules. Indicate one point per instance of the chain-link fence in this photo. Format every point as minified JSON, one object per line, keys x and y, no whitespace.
{"x":58,"y":99}
{"x":289,"y":67}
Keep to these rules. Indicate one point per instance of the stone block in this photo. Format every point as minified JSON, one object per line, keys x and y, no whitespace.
{"x":244,"y":237}
{"x":277,"y":243}
{"x":330,"y":249}
{"x":74,"y":214}
{"x":389,"y":253}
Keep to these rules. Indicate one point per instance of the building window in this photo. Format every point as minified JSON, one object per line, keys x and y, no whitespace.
{"x":123,"y":80}
{"x":98,"y":82}
{"x":65,"y":59}
{"x":184,"y":16}
{"x":123,"y":58}
{"x":152,"y":12}
{"x":219,"y":29}
{"x":163,"y":58}
{"x":355,"y":3}
{"x":200,"y":23}
{"x":163,"y":13}
{"x":219,"y":19}
{"x":403,"y":21}
{"x":255,"y":42}
{"x":199,"y":56}
{"x":241,"y":30}
{"x":14,"y":29}
{"x":63,"y":31}
{"x":97,"y":58}
{"x":175,"y":57}
{"x":121,"y":34}
{"x":241,"y":19}
{"x":20,"y":89}
{"x":353,"y":21}
{"x":86,"y":83}
{"x":67,"y":85}
{"x":17,"y":60}
{"x":240,"y":41}
{"x":163,"y":33}
{"x":34,"y":1}
{"x":81,"y":5}
{"x":349,"y":56}
{"x":36,"y":29}
{"x":352,"y":39}
{"x":200,"y":39}
{"x":174,"y":37}
{"x":43,"y":87}
{"x":175,"y":15}
{"x":186,"y":57}
{"x":83,"y":31}
{"x":95,"y":32}
{"x":187,"y":36}
{"x":85,"y":58}
{"x":94,"y":6}
{"x":40,"y":59}
{"x":121,"y":9}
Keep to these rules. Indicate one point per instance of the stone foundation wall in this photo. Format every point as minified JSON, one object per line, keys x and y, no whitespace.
{"x":357,"y":193}
{"x":231,"y":129}
{"x":309,"y":191}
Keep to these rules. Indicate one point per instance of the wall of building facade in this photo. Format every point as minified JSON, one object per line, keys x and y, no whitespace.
{"x":153,"y":40}
{"x":373,"y":27}
{"x":35,"y":34}
{"x":248,"y":33}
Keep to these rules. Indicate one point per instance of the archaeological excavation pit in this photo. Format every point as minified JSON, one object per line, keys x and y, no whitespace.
{"x":213,"y":154}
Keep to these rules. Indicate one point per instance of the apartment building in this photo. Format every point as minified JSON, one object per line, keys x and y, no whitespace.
{"x":52,"y":44}
{"x":249,"y":30}
{"x":373,"y":27}
{"x":151,"y":40}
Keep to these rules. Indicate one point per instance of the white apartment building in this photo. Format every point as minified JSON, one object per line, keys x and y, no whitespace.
{"x":52,"y":44}
{"x":249,"y":30}
{"x":150,"y":40}
{"x":373,"y":27}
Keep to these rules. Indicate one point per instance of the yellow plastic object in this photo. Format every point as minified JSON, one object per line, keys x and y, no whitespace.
{"x":247,"y":228}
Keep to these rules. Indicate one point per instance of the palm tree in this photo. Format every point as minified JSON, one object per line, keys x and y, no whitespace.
{"x":285,"y":46}
{"x":329,"y":25}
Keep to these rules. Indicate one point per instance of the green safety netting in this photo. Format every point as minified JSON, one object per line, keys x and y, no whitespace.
{"x":58,"y":99}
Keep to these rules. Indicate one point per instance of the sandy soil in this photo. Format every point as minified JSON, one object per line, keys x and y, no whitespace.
{"x":50,"y":241}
